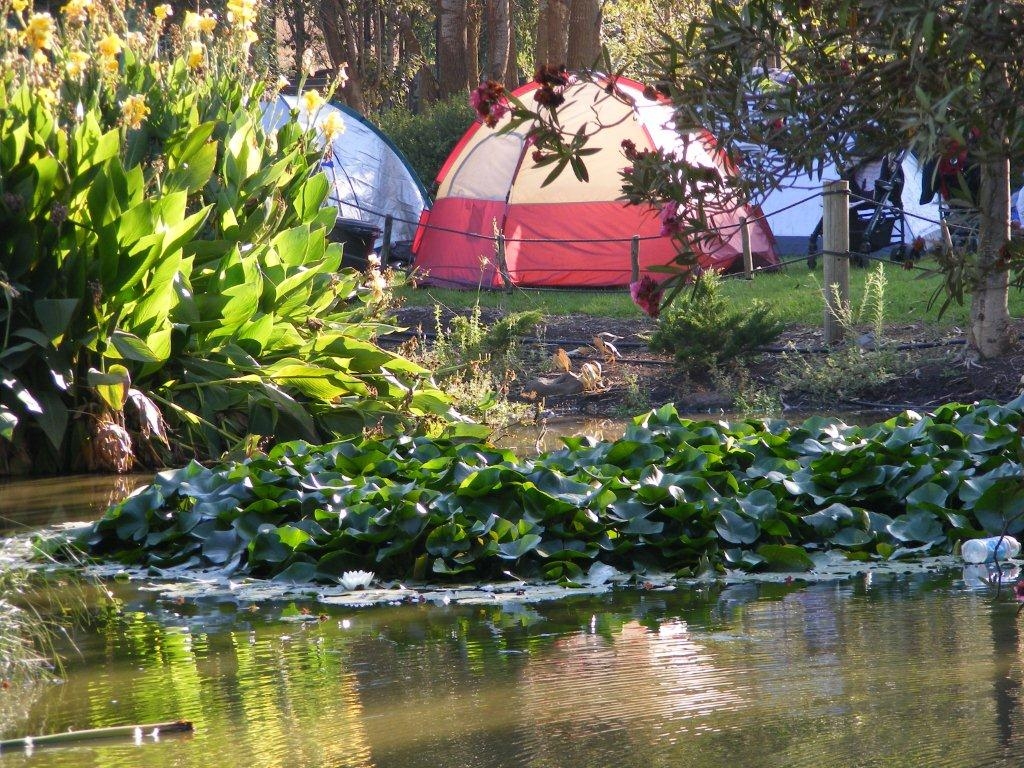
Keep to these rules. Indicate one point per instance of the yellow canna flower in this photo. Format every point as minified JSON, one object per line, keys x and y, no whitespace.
{"x":207,"y":22}
{"x":134,"y":111}
{"x":332,"y":126}
{"x":110,"y":46}
{"x":75,"y":64}
{"x":242,"y":13}
{"x":163,"y":12}
{"x":196,"y":55}
{"x":38,"y":32}
{"x":46,"y":96}
{"x":77,"y":10}
{"x":312,"y":101}
{"x":191,"y":23}
{"x":248,"y":38}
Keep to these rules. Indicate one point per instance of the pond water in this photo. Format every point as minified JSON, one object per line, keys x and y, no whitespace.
{"x":902,"y":671}
{"x":880,"y":670}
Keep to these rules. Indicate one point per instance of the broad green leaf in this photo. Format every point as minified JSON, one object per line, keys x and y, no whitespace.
{"x":8,"y":422}
{"x":55,"y":316}
{"x":112,"y":385}
{"x":131,"y":347}
{"x":513,"y":550}
{"x":917,"y":526}
{"x":785,"y":557}
{"x":736,"y":529}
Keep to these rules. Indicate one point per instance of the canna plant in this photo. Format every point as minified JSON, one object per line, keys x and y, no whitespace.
{"x":167,"y":289}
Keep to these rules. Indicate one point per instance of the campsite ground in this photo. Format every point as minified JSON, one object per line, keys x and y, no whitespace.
{"x":928,"y":367}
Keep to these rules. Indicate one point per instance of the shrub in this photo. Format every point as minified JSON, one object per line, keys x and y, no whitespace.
{"x":702,"y":332}
{"x":426,"y":139}
{"x":476,"y":363}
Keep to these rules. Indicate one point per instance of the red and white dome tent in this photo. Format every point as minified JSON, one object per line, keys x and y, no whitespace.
{"x":570,"y":233}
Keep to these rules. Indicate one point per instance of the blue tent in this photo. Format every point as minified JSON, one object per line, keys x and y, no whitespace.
{"x":369,"y":176}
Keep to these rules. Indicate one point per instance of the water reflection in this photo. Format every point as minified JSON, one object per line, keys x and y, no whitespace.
{"x":56,"y":500}
{"x":861,"y":673}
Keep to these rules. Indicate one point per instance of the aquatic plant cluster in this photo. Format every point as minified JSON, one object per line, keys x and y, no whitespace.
{"x":672,"y":494}
{"x":168,"y":289}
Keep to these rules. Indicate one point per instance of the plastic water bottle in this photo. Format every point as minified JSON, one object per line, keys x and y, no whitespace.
{"x":984,"y":550}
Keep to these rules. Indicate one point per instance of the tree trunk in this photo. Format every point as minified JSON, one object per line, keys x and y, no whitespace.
{"x":473,"y":14}
{"x":428,"y":90}
{"x":453,"y":77}
{"x":512,"y":69}
{"x":499,"y":38}
{"x":990,"y":315}
{"x":558,"y":31}
{"x":354,"y":87}
{"x":540,"y":52}
{"x":343,"y":47}
{"x":584,"y":38}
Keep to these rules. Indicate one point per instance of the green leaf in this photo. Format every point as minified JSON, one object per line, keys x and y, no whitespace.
{"x":513,"y":550}
{"x":132,"y":347}
{"x":112,"y":386}
{"x":8,"y":422}
{"x":736,"y":529}
{"x":785,"y":557}
{"x":55,"y":317}
{"x":828,"y":520}
{"x":917,"y":526}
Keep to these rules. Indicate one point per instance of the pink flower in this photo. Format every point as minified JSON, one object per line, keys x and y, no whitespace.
{"x":670,"y":221}
{"x":646,"y":294}
{"x":488,"y":100}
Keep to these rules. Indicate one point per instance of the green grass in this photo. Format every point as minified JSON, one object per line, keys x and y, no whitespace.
{"x":794,"y":292}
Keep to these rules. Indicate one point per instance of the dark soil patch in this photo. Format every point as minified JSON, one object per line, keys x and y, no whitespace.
{"x":934,"y":368}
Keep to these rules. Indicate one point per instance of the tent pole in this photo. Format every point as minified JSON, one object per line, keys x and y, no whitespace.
{"x":385,"y":247}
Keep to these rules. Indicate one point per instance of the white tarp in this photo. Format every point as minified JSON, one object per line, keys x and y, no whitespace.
{"x":369,"y":179}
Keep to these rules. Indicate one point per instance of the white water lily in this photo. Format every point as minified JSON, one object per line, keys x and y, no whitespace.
{"x":356,"y":579}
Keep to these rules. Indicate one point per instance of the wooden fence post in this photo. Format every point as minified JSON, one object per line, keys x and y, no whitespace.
{"x":385,"y":247}
{"x":499,"y":250}
{"x":634,"y":259}
{"x":947,"y":238}
{"x":836,"y":245}
{"x":748,"y":257}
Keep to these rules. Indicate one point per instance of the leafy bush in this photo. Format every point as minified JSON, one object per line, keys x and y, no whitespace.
{"x":702,"y":332}
{"x":476,"y":363}
{"x":427,"y":138}
{"x":166,"y":286}
{"x":671,"y":494}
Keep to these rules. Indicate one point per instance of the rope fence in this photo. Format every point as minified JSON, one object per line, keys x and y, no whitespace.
{"x":716,"y":239}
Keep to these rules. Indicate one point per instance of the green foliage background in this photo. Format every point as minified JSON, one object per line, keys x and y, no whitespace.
{"x":167,"y":290}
